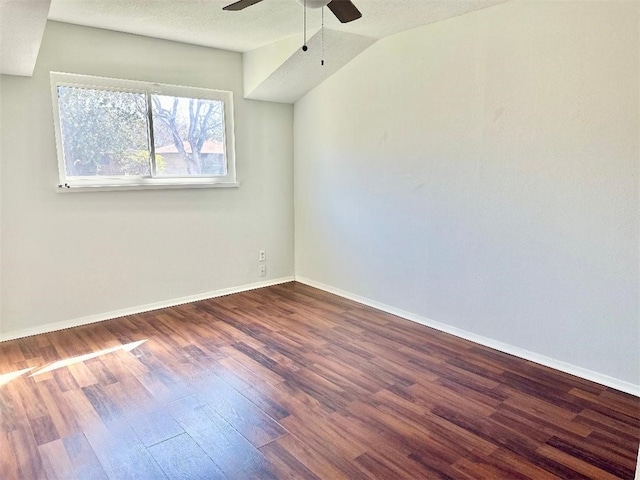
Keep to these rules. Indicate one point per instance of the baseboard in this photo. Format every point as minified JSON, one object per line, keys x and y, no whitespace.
{"x":76,"y":322}
{"x":565,"y":367}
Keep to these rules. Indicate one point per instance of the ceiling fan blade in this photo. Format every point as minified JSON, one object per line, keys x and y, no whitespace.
{"x":242,"y":4}
{"x":345,"y":10}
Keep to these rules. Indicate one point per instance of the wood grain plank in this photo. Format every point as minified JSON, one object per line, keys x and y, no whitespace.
{"x":8,"y":464}
{"x":235,"y":456}
{"x":153,"y":425}
{"x":254,"y":424}
{"x":320,"y":462}
{"x":24,"y":451}
{"x":55,"y":460}
{"x":284,"y":465}
{"x":83,"y":459}
{"x":293,"y":382}
{"x":578,"y":464}
{"x":181,"y":457}
{"x":120,"y":454}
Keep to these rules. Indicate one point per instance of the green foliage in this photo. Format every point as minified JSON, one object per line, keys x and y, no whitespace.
{"x":160,"y":164}
{"x":101,"y":129}
{"x":137,"y":163}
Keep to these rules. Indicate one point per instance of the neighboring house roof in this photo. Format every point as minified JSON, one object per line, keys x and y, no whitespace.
{"x":210,"y":146}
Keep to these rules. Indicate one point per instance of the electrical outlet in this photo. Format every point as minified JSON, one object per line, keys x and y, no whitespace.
{"x":262,"y":256}
{"x":262,"y":270}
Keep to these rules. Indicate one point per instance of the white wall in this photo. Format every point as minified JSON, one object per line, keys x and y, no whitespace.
{"x":66,"y":256}
{"x":483,"y":172}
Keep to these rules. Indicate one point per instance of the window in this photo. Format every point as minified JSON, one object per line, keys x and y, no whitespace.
{"x":123,"y":134}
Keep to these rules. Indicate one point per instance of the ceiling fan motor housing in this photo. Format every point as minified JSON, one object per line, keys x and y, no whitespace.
{"x":314,"y":3}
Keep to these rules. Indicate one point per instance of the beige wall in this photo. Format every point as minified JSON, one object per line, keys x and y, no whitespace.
{"x":67,"y":256}
{"x":482,"y":172}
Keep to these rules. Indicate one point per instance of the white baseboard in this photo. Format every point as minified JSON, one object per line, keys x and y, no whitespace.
{"x":487,"y":342}
{"x":76,"y":322}
{"x":590,"y":375}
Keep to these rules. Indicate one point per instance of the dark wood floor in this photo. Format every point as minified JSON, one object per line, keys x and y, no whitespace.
{"x":292,"y":382}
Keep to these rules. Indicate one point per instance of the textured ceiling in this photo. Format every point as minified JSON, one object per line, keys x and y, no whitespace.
{"x":21,"y":28}
{"x":267,"y":33}
{"x":203,"y":22}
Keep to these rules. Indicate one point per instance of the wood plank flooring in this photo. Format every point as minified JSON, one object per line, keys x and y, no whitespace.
{"x":292,"y":382}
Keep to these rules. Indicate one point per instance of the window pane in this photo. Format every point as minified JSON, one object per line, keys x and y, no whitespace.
{"x":188,"y":134}
{"x":104,"y":133}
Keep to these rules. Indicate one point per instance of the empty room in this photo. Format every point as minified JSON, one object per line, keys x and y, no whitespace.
{"x":319,"y":239}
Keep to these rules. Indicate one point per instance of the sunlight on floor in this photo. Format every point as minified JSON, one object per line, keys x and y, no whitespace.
{"x":7,"y":377}
{"x":70,"y":361}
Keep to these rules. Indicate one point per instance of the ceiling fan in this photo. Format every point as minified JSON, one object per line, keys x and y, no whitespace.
{"x":344,"y":10}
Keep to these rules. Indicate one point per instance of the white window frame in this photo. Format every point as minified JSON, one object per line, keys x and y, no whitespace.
{"x":143,"y":182}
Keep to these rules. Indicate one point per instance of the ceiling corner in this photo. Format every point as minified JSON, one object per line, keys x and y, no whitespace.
{"x":282,"y":72}
{"x":22,"y":25}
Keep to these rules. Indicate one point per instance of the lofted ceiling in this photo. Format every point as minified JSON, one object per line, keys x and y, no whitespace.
{"x":272,"y":25}
{"x":203,"y":22}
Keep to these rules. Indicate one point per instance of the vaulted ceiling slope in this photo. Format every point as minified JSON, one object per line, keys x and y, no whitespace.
{"x":269,"y":33}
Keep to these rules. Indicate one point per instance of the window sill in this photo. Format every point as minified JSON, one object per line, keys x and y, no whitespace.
{"x":142,"y":186}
